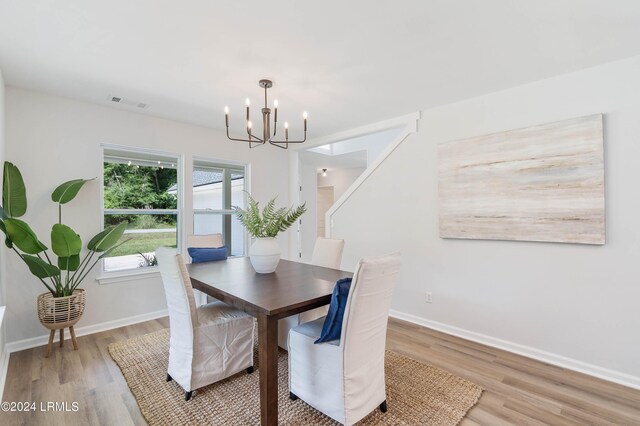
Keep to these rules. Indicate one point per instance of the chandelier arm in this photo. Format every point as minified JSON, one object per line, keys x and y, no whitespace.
{"x":301,"y":141}
{"x":246,"y":140}
{"x":276,"y":144}
{"x":258,"y":140}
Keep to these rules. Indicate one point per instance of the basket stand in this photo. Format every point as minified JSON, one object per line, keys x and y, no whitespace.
{"x":58,"y":313}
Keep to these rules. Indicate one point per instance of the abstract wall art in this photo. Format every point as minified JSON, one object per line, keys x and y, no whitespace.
{"x":540,"y":183}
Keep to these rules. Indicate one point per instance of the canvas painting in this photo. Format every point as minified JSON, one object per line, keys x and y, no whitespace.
{"x":540,"y":183}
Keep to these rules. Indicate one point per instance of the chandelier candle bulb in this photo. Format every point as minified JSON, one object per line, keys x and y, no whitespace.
{"x":304,"y":115}
{"x":226,"y":115}
{"x":286,"y":131}
{"x":275,"y":113}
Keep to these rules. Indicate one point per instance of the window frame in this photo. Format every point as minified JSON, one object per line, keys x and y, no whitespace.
{"x":106,"y":277}
{"x":226,"y":165}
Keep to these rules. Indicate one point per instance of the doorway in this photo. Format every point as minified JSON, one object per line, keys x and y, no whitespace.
{"x":325,"y":174}
{"x":324,"y":202}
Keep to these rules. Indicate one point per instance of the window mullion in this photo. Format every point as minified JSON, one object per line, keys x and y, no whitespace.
{"x":212,"y":211}
{"x":226,"y":194}
{"x":141,"y":211}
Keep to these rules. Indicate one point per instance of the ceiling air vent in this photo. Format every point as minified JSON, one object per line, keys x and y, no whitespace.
{"x":128,"y":102}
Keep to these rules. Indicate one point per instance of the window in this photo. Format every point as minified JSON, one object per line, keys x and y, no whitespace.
{"x":140,"y":188}
{"x":217,"y":187}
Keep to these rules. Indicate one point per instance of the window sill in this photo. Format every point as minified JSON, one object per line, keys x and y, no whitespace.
{"x":124,"y":276}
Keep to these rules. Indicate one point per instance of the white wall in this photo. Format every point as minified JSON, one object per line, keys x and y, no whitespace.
{"x":3,"y":275}
{"x":53,"y":139}
{"x":2,"y":157}
{"x":550,"y":300}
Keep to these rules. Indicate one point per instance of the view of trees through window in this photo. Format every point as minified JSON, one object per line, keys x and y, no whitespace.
{"x":145,"y":197}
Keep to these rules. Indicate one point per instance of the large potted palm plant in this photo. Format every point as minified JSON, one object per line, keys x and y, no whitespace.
{"x":63,"y":303}
{"x":264,"y":227}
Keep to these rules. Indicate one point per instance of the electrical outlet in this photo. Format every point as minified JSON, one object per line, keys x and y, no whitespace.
{"x":429,"y":298}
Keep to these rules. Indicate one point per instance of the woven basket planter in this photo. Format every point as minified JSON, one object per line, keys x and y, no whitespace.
{"x":61,"y":312}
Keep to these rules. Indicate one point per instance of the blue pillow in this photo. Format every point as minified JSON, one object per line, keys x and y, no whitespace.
{"x":199,"y":255}
{"x":332,"y":327}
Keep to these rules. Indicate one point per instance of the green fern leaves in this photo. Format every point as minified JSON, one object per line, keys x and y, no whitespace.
{"x":271,"y":221}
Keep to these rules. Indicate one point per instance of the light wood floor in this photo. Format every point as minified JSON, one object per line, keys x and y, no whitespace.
{"x":518,"y":390}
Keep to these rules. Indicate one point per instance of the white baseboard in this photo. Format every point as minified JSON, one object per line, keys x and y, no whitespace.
{"x":527,"y":351}
{"x":82,"y":331}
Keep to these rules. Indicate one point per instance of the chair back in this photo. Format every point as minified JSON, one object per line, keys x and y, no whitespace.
{"x":327,"y":252}
{"x":183,"y":316}
{"x":205,"y":241}
{"x":364,"y":327}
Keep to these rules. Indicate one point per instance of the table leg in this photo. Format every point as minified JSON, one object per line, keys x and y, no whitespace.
{"x":268,"y":357}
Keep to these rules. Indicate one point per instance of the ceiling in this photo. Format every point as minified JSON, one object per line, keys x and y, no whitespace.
{"x":347,"y":63}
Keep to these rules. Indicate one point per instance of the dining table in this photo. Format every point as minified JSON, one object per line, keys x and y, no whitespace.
{"x":294,"y":287}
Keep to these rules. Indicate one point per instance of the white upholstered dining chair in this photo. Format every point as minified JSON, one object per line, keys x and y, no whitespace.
{"x":327,"y":252}
{"x":206,"y":344}
{"x":344,"y":379}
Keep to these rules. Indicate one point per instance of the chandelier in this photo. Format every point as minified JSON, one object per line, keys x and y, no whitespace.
{"x":254,"y":140}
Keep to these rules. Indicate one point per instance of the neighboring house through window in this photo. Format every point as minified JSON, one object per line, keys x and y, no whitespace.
{"x":141,"y":188}
{"x":216,"y":188}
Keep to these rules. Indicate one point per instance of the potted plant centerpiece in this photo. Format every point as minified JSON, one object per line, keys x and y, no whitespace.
{"x":63,"y":304}
{"x":264,"y":227}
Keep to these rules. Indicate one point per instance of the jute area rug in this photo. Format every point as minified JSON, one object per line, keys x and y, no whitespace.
{"x":417,"y":394}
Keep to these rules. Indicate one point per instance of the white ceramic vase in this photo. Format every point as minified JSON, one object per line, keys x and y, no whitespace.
{"x":265,"y":255}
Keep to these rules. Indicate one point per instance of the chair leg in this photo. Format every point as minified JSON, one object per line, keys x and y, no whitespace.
{"x":51,"y":336}
{"x":169,"y":378}
{"x":250,"y":370}
{"x":61,"y":337}
{"x":293,"y":396}
{"x":383,"y":406}
{"x":187,"y":395}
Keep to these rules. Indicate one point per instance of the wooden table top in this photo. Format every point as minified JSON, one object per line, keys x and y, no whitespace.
{"x":294,"y":287}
